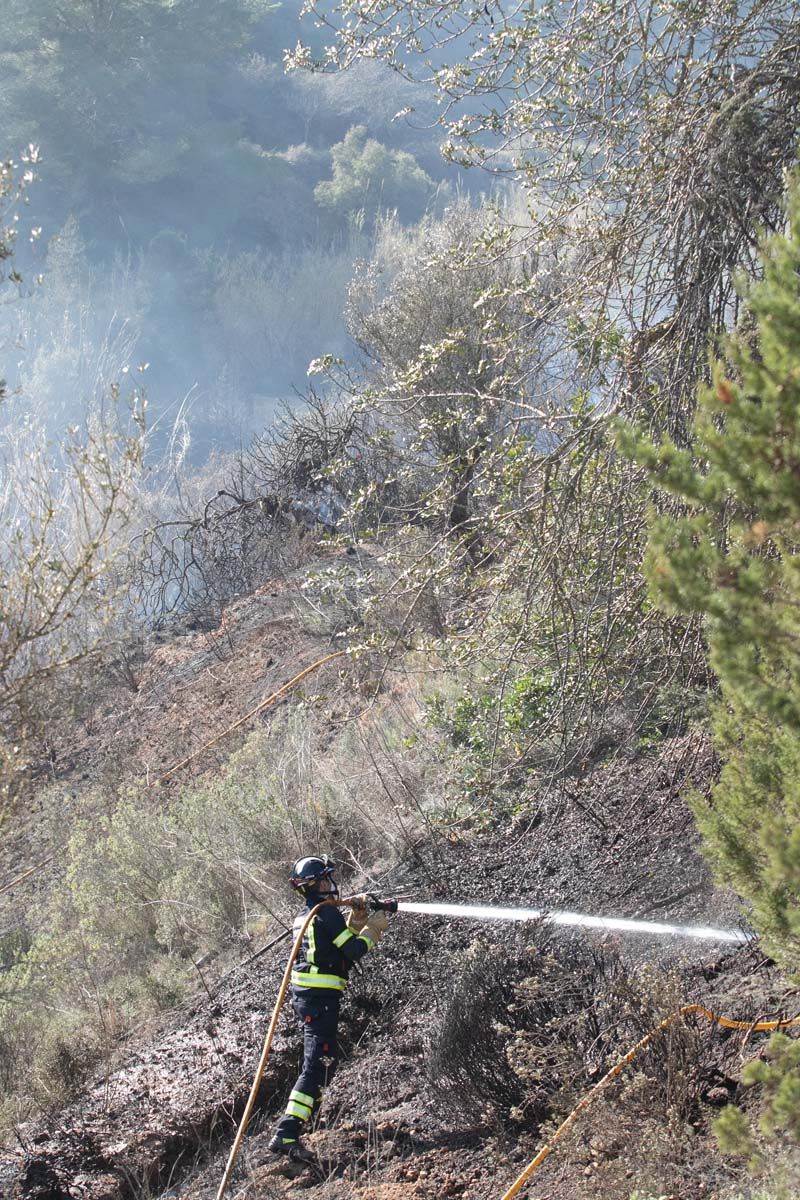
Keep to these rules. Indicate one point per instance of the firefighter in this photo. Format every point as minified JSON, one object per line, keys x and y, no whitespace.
{"x":330,"y":947}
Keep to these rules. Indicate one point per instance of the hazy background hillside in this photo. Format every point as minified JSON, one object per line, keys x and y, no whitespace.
{"x":199,"y":209}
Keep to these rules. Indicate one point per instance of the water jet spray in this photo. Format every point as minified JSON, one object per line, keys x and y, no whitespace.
{"x":485,"y":912}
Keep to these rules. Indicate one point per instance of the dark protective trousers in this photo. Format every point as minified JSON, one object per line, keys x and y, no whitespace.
{"x":317,"y":1010}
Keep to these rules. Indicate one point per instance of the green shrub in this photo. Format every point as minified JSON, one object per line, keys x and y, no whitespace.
{"x":494,"y":722}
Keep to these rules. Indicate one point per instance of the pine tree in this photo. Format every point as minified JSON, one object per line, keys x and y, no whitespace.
{"x":735,"y":558}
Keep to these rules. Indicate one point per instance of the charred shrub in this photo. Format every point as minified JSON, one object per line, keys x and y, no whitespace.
{"x":531,"y":1025}
{"x":522,"y":1025}
{"x":67,"y":1059}
{"x":467,"y":1058}
{"x":579,"y":1011}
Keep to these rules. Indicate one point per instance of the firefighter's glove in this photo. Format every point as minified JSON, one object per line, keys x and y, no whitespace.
{"x":376,"y":925}
{"x":359,"y":913}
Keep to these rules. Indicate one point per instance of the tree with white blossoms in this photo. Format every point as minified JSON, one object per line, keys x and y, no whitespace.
{"x":655,"y":135}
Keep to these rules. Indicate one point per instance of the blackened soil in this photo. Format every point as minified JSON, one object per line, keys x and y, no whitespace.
{"x":162,"y":1121}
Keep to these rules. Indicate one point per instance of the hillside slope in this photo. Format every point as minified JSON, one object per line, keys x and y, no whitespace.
{"x":176,"y":691}
{"x":436,"y":1007}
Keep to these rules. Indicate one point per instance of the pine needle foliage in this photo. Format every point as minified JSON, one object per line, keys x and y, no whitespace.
{"x":733,"y":556}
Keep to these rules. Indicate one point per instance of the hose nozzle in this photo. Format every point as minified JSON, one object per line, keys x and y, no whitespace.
{"x":378,"y":905}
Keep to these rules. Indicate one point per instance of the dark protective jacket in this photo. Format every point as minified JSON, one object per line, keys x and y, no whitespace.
{"x":328,"y":951}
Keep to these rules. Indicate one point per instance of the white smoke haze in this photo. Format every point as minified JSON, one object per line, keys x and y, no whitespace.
{"x":178,"y":196}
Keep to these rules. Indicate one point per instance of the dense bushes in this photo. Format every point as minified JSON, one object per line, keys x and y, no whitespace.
{"x":495,"y":727}
{"x":735,"y":559}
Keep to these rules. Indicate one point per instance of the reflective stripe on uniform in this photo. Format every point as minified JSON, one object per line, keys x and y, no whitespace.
{"x":308,"y":938}
{"x":297,"y":1110}
{"x":343,"y":937}
{"x":302,"y":1098}
{"x":364,"y":937}
{"x":314,"y":979}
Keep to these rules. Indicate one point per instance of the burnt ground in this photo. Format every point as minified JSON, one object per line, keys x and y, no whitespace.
{"x":422,"y":1019}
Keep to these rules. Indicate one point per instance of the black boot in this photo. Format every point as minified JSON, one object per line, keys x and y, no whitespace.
{"x":292,"y":1149}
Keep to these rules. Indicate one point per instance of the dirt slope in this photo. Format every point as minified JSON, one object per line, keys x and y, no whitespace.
{"x":191,"y":687}
{"x":162,"y":1120}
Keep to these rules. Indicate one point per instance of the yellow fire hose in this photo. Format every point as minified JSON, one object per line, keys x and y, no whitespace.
{"x":685,"y":1011}
{"x":262,"y":1062}
{"x":262,"y":704}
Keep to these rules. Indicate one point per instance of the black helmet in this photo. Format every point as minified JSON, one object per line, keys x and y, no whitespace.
{"x":307,"y":873}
